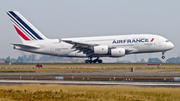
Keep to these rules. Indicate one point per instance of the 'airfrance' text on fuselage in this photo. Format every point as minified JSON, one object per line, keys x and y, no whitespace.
{"x":130,"y":41}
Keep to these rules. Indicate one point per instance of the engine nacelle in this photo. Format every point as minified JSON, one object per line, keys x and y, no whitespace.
{"x":118,"y":52}
{"x":102,"y":49}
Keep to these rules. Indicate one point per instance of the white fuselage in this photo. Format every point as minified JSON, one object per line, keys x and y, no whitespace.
{"x":140,"y":43}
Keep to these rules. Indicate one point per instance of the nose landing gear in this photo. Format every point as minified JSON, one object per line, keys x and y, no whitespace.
{"x":163,"y":57}
{"x":93,"y":61}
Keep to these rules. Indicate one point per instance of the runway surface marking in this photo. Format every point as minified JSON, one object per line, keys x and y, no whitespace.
{"x":93,"y":82}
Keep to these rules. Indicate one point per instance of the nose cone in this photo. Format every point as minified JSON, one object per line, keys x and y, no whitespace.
{"x":171,"y":45}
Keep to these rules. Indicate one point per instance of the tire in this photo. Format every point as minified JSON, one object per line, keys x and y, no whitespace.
{"x":90,"y":61}
{"x":163,"y":57}
{"x":94,"y":61}
{"x":100,"y":61}
{"x":86,"y":61}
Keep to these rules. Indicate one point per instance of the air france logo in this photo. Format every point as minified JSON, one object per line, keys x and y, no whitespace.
{"x":152,"y":39}
{"x":131,"y":41}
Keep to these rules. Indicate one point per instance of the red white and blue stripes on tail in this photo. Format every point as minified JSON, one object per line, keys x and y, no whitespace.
{"x":24,"y":28}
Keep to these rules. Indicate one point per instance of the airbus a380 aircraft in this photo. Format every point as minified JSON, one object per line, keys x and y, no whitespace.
{"x":88,"y":47}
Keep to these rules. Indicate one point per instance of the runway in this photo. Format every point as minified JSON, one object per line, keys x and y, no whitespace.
{"x":84,"y":77}
{"x":101,"y":83}
{"x":95,"y":76}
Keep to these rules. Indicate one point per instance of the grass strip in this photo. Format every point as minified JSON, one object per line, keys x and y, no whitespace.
{"x":54,"y":92}
{"x":72,"y":70}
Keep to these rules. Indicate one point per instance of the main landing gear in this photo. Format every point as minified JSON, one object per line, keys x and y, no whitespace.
{"x":163,"y":57}
{"x":93,"y":61}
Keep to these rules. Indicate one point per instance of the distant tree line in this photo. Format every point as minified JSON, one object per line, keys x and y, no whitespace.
{"x":154,"y":60}
{"x":173,"y":60}
{"x":42,"y":59}
{"x":45,"y":58}
{"x":150,"y":60}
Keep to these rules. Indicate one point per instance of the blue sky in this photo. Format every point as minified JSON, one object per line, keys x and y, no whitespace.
{"x":79,"y":18}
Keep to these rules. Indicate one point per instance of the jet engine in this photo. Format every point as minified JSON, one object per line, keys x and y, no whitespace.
{"x":118,"y":52}
{"x":102,"y":49}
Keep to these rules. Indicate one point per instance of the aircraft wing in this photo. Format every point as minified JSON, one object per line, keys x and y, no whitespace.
{"x":82,"y":47}
{"x":80,"y":43}
{"x":26,"y":46}
{"x":88,"y":48}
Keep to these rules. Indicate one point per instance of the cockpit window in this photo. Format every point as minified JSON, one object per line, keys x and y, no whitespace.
{"x":167,"y":41}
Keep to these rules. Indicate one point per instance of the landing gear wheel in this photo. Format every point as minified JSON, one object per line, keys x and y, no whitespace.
{"x":94,"y":61}
{"x":163,"y":57}
{"x":90,"y":61}
{"x":86,"y":61}
{"x":100,"y":61}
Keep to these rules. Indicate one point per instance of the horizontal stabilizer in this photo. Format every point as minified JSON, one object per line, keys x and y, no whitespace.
{"x":26,"y":46}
